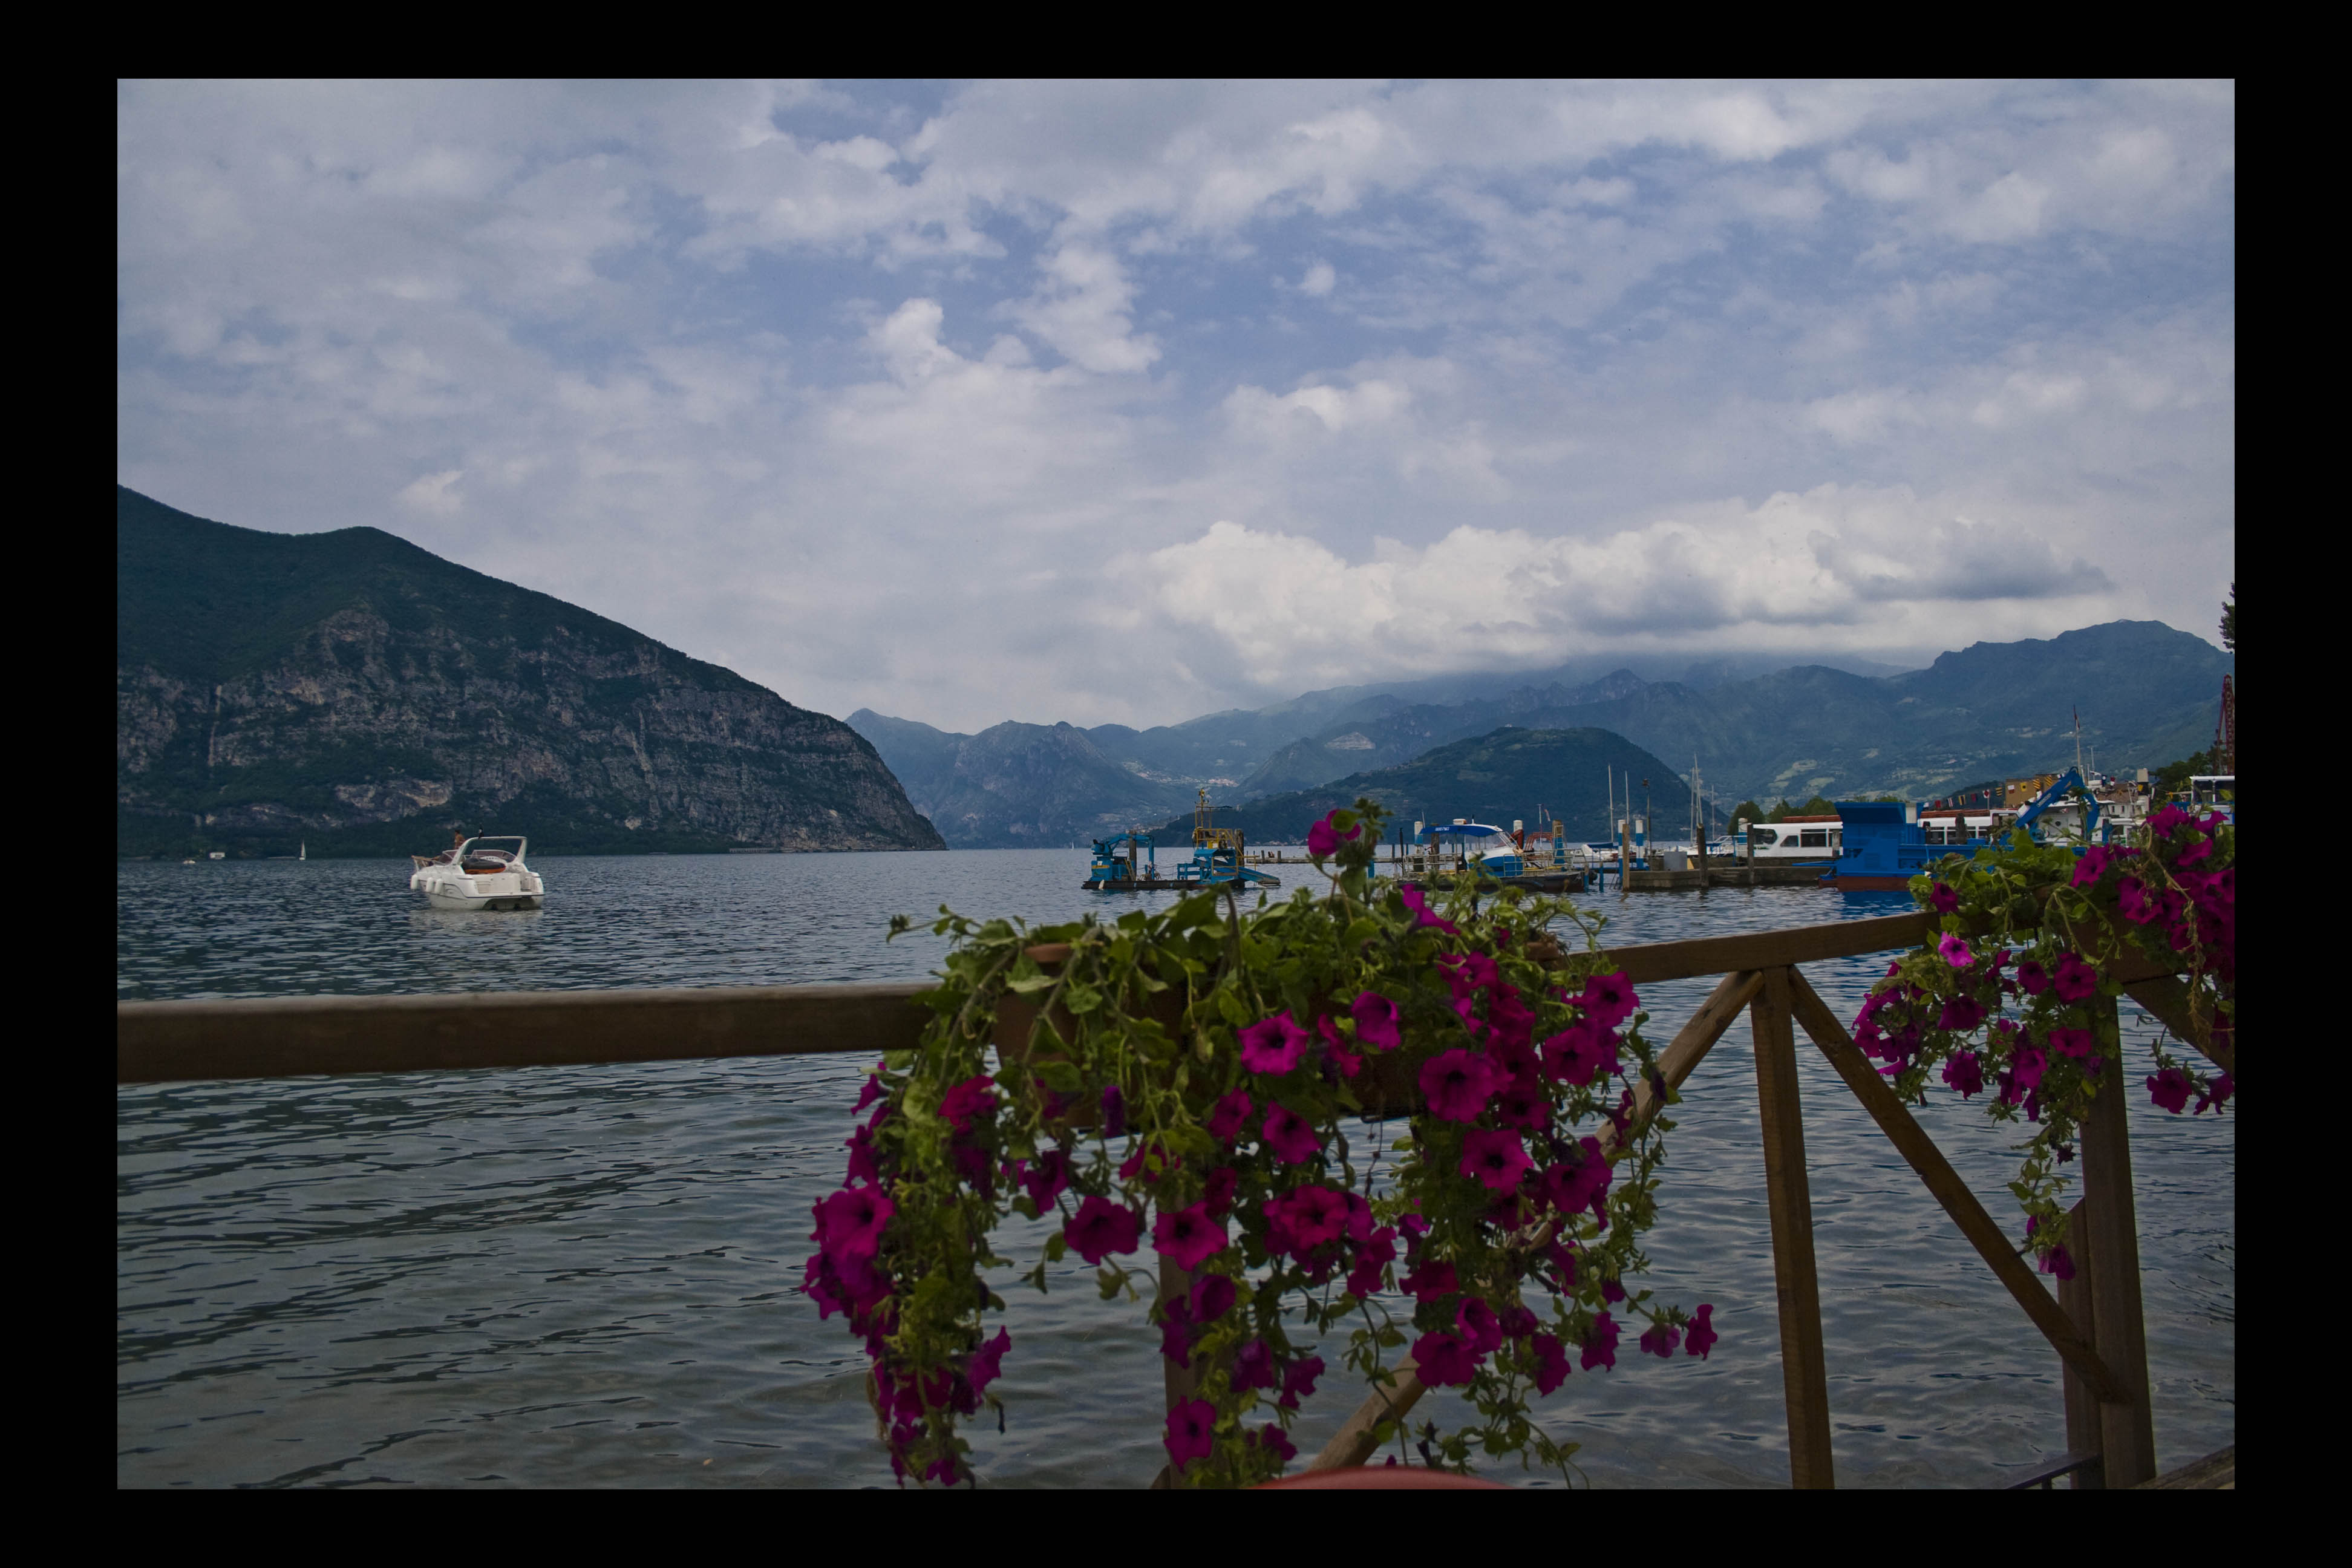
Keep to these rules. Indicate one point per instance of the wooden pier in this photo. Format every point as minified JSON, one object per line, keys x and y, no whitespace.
{"x":2094,"y":1324}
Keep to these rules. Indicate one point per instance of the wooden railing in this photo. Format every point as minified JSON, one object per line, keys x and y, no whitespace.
{"x":2095,"y":1325}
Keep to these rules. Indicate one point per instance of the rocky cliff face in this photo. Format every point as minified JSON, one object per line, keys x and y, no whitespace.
{"x":352,"y":690}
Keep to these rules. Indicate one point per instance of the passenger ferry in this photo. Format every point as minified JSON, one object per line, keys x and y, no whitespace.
{"x":1795,"y":838}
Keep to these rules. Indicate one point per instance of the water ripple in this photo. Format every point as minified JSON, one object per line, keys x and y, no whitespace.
{"x":580,"y":1275}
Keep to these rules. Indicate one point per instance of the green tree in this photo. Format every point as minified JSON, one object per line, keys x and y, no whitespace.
{"x":2176,"y":775}
{"x":1817,"y":807}
{"x":1748,"y":809}
{"x":2230,"y":620}
{"x":1781,"y":812}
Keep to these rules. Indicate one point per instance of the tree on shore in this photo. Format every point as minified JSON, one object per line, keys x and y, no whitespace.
{"x":2230,"y":620}
{"x":1750,"y":810}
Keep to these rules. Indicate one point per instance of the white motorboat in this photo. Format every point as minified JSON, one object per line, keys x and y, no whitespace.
{"x":475,"y":876}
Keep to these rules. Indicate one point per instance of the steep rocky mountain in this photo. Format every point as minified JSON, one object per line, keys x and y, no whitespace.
{"x":1511,"y":773}
{"x":354,"y":692}
{"x":1017,"y":785}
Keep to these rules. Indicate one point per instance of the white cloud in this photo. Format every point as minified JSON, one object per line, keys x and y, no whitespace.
{"x":889,"y":393}
{"x":1880,"y":564}
{"x":434,"y":493}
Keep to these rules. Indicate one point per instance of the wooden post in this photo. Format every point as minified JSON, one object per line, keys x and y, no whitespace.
{"x":2083,"y":1435}
{"x":2110,"y":1227}
{"x":1180,"y":1381}
{"x":1919,"y":1151}
{"x":1804,"y":1375}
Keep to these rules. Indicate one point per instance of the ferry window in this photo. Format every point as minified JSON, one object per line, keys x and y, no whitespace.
{"x":1813,"y":839}
{"x":1764,"y":837}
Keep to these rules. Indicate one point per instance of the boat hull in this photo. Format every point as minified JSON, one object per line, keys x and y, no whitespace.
{"x":1866,"y":883}
{"x":441,"y":900}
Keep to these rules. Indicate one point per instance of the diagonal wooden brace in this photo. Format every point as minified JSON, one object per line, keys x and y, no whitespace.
{"x":1355,"y":1440}
{"x":1911,"y":1141}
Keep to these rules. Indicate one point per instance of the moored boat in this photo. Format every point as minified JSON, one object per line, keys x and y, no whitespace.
{"x":475,"y":876}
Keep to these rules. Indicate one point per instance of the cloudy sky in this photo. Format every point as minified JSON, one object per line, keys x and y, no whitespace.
{"x":1128,"y":401}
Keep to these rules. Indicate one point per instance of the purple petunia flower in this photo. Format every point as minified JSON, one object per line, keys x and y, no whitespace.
{"x":1227,"y":1116}
{"x":2075,"y":1043}
{"x":1516,"y":1322}
{"x":1376,"y":1021}
{"x":987,"y":1362}
{"x":1955,"y":950}
{"x":1457,"y":1084}
{"x":2217,"y":1093}
{"x":2074,"y":980}
{"x":1176,"y":1330}
{"x":1299,"y":1379}
{"x":873,"y":1089}
{"x":1217,"y":1191}
{"x":2058,"y":1262}
{"x":1335,"y":1048}
{"x":1191,"y":1432}
{"x":1113,"y":1112}
{"x":1048,"y":1178}
{"x":1477,"y":1323}
{"x":967,"y":1101}
{"x":2133,"y":902}
{"x":1600,"y":1344}
{"x":1960,"y":1015}
{"x":1965,"y":1073}
{"x":1101,"y":1228}
{"x":1510,"y":1023}
{"x":1290,"y":1137}
{"x":1323,"y":839}
{"x":1522,"y":1104}
{"x":1551,"y":1362}
{"x":1431,"y":1280}
{"x":864,"y":1165}
{"x":1418,"y":903}
{"x":1660,"y":1339}
{"x":1212,"y":1296}
{"x":1701,"y":1336}
{"x":2027,"y":1065}
{"x":1305,"y":1218}
{"x":1584,"y":1183}
{"x":1272,"y":1046}
{"x":1942,"y":900}
{"x":1188,"y":1237}
{"x":1580,"y":1051}
{"x":1442,"y":1360}
{"x":1253,"y":1366}
{"x":2171,"y":1089}
{"x":1497,"y":1159}
{"x":849,"y":1223}
{"x":1273,"y":1438}
{"x":1608,"y":999}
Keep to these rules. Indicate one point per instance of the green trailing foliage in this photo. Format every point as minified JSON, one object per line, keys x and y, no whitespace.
{"x":1351,"y":1125}
{"x":2015,"y":999}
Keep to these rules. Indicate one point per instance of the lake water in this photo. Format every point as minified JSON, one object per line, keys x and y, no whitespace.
{"x":582,"y":1277}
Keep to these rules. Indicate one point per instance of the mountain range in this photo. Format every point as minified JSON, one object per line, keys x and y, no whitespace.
{"x":1530,"y":774}
{"x":2146,"y":693}
{"x":354,"y":692}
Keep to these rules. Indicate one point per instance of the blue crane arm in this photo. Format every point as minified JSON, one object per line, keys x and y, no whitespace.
{"x":2066,"y":782}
